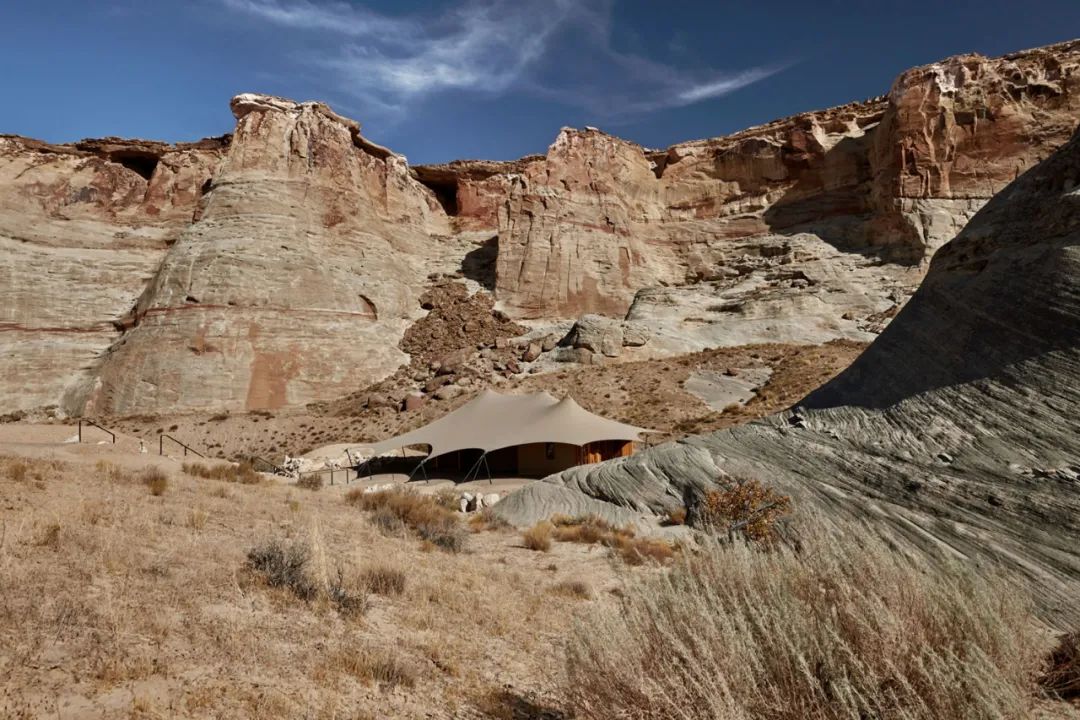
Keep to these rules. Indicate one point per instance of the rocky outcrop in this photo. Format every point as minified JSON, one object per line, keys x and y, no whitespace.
{"x":83,"y":228}
{"x":954,"y":434}
{"x":887,"y":179}
{"x":283,"y":264}
{"x":294,"y":283}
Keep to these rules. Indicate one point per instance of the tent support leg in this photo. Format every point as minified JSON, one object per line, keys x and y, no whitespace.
{"x":475,"y":468}
{"x":422,"y":469}
{"x":488,"y":468}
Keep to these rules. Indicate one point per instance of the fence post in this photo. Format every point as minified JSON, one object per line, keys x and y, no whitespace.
{"x":80,"y":430}
{"x":160,"y":444}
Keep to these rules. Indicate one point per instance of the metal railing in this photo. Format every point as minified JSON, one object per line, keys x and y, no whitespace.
{"x":332,"y":471}
{"x":187,"y":448}
{"x":257,"y":461}
{"x":99,"y":427}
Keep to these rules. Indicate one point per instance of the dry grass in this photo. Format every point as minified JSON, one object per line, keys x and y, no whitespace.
{"x":114,"y":589}
{"x":1062,"y":676}
{"x":487,"y":520}
{"x":243,"y":473}
{"x":538,"y":537}
{"x":383,"y":580}
{"x":311,"y":481}
{"x":392,"y":510}
{"x":155,"y":479}
{"x":573,"y":588}
{"x":844,"y":629}
{"x":623,"y":541}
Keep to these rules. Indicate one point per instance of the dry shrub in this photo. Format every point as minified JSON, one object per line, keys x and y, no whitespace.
{"x":421,"y":513}
{"x":383,"y":580}
{"x":1062,"y":676}
{"x":155,"y":479}
{"x":243,"y":473}
{"x":284,"y":565}
{"x":843,"y":629}
{"x":378,"y":666}
{"x":591,"y":529}
{"x":311,"y":481}
{"x":573,"y":588}
{"x":486,"y":519}
{"x":748,"y":509}
{"x":197,"y":518}
{"x":50,"y":536}
{"x":538,"y":537}
{"x":17,"y":470}
{"x":676,"y":516}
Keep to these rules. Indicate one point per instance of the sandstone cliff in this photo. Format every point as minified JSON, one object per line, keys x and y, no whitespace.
{"x":954,"y":434}
{"x":282,"y":264}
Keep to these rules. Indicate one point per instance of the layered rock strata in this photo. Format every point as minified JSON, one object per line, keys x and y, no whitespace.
{"x":955,"y":433}
{"x":283,"y":264}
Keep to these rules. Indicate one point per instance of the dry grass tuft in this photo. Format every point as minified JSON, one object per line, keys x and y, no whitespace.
{"x":845,"y":628}
{"x":1062,"y":676}
{"x":155,"y":479}
{"x":486,"y":519}
{"x":379,"y":666}
{"x":573,"y":588}
{"x":538,"y":537}
{"x":383,"y":580}
{"x":284,"y":565}
{"x":311,"y":481}
{"x":243,"y":473}
{"x":392,"y":510}
{"x":623,"y":542}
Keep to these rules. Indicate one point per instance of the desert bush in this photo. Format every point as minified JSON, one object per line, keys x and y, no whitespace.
{"x":538,"y":537}
{"x":573,"y":588}
{"x":17,"y":470}
{"x":1062,"y":676}
{"x":676,"y":517}
{"x":311,"y":481}
{"x":155,"y":479}
{"x":421,"y":513}
{"x":843,"y":629}
{"x":591,"y":529}
{"x":379,"y":666}
{"x":486,"y":519}
{"x":747,"y":509}
{"x":243,"y":473}
{"x":284,"y":565}
{"x":383,"y":580}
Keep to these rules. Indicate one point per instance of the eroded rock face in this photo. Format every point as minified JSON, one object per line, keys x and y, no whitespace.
{"x":888,"y":180}
{"x":83,"y":228}
{"x":955,"y":434}
{"x":283,"y":264}
{"x":294,"y":284}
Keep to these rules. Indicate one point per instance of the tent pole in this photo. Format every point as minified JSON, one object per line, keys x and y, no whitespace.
{"x":419,"y":467}
{"x":475,"y":466}
{"x":488,"y":468}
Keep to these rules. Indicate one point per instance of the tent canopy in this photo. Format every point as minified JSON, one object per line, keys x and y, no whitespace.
{"x":491,"y":421}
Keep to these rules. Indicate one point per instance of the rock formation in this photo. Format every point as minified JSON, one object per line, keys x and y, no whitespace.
{"x":283,"y":264}
{"x":956,"y":432}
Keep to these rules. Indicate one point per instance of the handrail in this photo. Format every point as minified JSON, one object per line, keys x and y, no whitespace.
{"x":300,"y":476}
{"x":161,"y":445}
{"x":253,"y":459}
{"x":99,"y":427}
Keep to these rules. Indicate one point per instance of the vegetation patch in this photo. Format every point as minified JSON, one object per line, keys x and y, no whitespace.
{"x":155,"y":479}
{"x":423,"y":514}
{"x":844,"y":628}
{"x":243,"y":473}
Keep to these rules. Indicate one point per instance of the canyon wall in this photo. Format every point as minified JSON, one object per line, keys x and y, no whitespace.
{"x":282,"y":264}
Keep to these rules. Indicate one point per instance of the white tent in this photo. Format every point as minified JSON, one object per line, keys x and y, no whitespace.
{"x":491,"y":421}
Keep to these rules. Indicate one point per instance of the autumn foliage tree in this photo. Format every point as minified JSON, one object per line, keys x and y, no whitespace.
{"x":747,"y":509}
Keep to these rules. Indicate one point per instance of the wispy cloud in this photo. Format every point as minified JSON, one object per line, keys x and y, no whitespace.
{"x":560,"y":49}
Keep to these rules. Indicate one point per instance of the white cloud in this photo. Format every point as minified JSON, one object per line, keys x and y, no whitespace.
{"x":560,"y":49}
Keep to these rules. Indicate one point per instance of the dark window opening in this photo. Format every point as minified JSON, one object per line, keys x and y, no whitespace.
{"x":142,"y":163}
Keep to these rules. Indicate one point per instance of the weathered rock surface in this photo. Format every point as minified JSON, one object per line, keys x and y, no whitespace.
{"x":83,"y":228}
{"x":888,"y":179}
{"x":284,"y":264}
{"x":302,"y":266}
{"x":956,"y":432}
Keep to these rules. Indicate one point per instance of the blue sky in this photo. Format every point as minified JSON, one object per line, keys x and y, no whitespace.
{"x":481,"y":78}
